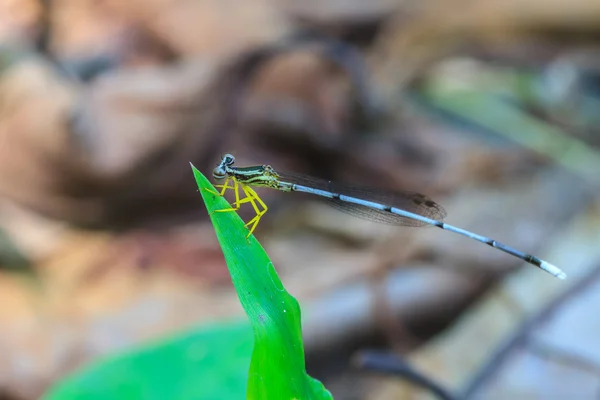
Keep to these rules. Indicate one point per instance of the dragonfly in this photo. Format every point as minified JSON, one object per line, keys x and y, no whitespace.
{"x":395,"y":208}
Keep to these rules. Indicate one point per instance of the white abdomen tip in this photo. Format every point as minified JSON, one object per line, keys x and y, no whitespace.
{"x":552,"y":269}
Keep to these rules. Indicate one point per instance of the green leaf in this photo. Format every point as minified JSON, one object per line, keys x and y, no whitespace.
{"x":277,"y":370}
{"x":211,"y":363}
{"x":208,"y":363}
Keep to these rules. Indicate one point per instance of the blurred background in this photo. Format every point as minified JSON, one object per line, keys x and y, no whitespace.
{"x":492,"y":108}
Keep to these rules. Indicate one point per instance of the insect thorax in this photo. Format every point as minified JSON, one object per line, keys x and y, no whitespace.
{"x":256,"y":176}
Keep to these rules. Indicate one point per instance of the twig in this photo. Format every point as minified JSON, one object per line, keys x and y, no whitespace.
{"x":394,"y":365}
{"x":521,"y":335}
{"x":563,"y":356}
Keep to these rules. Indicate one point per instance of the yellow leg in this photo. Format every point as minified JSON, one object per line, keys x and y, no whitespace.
{"x":238,"y":202}
{"x":225,"y":186}
{"x":235,"y":187}
{"x":253,"y":198}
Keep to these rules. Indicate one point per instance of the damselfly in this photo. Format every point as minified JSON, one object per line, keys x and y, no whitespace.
{"x":396,"y":208}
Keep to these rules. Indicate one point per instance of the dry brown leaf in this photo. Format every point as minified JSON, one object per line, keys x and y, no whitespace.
{"x":19,"y":20}
{"x":420,"y":35}
{"x":207,"y":28}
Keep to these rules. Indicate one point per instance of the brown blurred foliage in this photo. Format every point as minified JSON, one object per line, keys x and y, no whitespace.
{"x":103,"y":104}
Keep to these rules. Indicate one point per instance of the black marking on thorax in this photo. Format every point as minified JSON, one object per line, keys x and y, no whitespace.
{"x":254,"y":176}
{"x":243,"y":172}
{"x":247,"y":175}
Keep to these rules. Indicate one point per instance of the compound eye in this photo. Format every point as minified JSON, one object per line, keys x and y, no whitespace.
{"x":228,"y":159}
{"x":219,"y":173}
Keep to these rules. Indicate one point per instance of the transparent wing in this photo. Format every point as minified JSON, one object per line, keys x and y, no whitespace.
{"x":414,"y":202}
